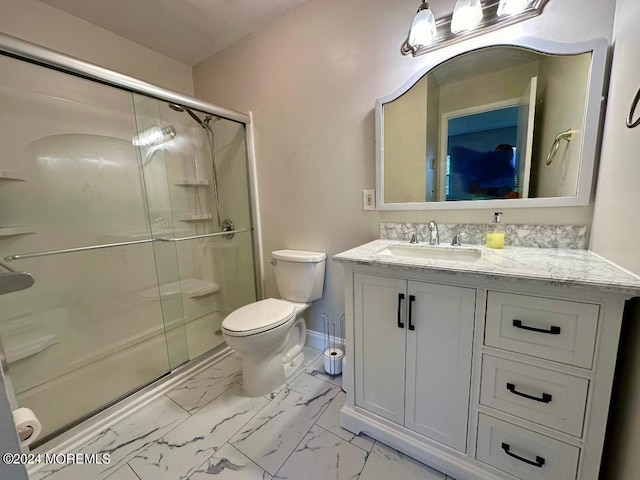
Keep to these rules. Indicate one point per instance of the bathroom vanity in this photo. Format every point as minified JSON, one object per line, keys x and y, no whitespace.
{"x":483,"y":363}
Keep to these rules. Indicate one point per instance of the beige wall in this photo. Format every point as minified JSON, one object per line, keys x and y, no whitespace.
{"x":563,"y":83}
{"x":507,"y":84}
{"x":311,"y":80}
{"x":405,"y":146}
{"x":616,"y":234}
{"x":49,"y":27}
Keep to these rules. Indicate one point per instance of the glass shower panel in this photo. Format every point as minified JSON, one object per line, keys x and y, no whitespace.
{"x":91,"y":327}
{"x":216,"y":274}
{"x":156,"y":140}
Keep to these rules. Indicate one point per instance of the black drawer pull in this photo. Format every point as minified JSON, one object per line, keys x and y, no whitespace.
{"x":538,"y":463}
{"x":552,"y":330}
{"x":400,"y":299}
{"x":546,"y":397}
{"x":412,"y":298}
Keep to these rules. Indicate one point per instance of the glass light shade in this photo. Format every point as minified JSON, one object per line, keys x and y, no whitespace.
{"x":154,"y":136}
{"x":466,"y":15}
{"x":512,"y":7}
{"x":423,"y":30}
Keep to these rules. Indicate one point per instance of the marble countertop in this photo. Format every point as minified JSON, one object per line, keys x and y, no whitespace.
{"x":557,"y":266}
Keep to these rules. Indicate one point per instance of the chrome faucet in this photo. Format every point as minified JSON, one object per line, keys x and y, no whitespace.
{"x":434,"y":238}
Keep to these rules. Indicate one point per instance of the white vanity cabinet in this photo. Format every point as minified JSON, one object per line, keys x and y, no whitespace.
{"x":413,"y":363}
{"x":478,"y":376}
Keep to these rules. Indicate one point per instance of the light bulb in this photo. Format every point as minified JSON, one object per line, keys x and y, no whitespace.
{"x":423,"y":30}
{"x":154,"y":136}
{"x":466,"y":15}
{"x":512,"y":7}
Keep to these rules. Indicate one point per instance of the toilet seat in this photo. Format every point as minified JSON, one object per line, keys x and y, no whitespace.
{"x":258,"y":317}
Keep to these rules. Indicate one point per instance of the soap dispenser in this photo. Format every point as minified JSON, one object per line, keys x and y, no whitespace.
{"x":495,"y":236}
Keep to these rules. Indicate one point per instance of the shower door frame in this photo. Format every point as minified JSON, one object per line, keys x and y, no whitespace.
{"x":22,"y":50}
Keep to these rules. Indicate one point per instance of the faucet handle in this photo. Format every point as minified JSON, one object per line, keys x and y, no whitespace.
{"x":457,"y":240}
{"x":414,"y":239}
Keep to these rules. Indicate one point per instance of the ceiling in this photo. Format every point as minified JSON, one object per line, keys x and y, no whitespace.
{"x":188,"y":31}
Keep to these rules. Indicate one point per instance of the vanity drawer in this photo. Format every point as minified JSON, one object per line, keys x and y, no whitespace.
{"x":524,"y":454}
{"x":557,"y":330}
{"x":543,"y":396}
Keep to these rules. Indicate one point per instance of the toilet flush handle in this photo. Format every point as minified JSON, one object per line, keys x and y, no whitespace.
{"x":273,"y":262}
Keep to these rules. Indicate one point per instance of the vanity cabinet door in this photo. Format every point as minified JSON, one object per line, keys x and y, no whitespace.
{"x":439,"y":351}
{"x":380,"y":338}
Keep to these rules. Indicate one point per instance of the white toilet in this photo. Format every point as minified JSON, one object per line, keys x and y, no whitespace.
{"x":270,"y":334}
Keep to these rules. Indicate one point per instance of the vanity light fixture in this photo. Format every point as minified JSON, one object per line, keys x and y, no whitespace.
{"x":512,"y":7}
{"x":423,"y":29}
{"x":470,"y":18}
{"x":466,"y":15}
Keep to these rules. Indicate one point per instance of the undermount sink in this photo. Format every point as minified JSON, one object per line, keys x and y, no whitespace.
{"x":432,"y":252}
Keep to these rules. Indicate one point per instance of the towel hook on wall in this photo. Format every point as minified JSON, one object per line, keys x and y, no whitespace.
{"x":631,"y":123}
{"x":566,"y":135}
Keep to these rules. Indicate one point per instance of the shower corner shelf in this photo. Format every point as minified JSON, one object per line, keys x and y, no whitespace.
{"x":194,"y":217}
{"x":191,"y":182}
{"x":8,"y":175}
{"x":10,"y":231}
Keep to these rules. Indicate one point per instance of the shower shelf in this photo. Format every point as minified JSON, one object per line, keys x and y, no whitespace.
{"x":194,"y":217}
{"x":188,"y":182}
{"x":14,"y":353}
{"x":8,"y":175}
{"x":190,"y":288}
{"x":10,"y":231}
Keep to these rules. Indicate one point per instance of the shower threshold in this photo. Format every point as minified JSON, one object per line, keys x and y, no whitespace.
{"x":77,"y":434}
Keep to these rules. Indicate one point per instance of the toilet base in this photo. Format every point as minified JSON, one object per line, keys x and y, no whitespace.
{"x":262,"y":375}
{"x":293,"y":365}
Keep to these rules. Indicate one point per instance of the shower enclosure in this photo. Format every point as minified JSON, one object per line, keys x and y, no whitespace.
{"x":130,"y":206}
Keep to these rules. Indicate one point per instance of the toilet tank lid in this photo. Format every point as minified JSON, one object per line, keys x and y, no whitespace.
{"x":299,"y":256}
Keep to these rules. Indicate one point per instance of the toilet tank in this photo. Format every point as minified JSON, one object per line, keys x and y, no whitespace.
{"x":299,"y":274}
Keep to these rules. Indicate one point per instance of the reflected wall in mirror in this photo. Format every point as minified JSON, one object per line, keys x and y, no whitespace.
{"x":482,"y":127}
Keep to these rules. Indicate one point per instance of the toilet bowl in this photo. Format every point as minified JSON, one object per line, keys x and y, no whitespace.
{"x":270,"y":334}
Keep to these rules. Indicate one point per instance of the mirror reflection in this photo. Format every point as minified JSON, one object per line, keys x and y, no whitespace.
{"x":484,"y":126}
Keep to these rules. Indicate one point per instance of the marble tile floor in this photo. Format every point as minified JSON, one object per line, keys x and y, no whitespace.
{"x":204,"y":429}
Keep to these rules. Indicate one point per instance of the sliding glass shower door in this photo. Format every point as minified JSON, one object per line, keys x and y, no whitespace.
{"x":196,"y":179}
{"x":99,"y":213}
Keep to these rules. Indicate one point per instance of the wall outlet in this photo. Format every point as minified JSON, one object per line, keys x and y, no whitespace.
{"x":369,"y":199}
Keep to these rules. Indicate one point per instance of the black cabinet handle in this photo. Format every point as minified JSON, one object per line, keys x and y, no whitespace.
{"x":538,"y":463}
{"x":400,"y":299}
{"x":546,"y":397}
{"x":552,"y":330}
{"x":412,"y":299}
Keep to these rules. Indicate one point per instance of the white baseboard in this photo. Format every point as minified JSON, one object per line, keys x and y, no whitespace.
{"x":317,"y":340}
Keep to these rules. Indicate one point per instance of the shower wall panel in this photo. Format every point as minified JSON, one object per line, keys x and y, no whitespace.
{"x":91,"y":328}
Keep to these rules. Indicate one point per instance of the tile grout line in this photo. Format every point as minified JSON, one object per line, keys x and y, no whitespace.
{"x":339,"y":437}
{"x":180,"y":406}
{"x":226,"y":441}
{"x":189,"y":415}
{"x":303,"y":437}
{"x":235,"y":432}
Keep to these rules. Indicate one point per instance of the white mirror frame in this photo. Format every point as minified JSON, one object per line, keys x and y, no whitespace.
{"x":591,"y":127}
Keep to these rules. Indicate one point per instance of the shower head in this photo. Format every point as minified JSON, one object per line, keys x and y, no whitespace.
{"x":179,"y":108}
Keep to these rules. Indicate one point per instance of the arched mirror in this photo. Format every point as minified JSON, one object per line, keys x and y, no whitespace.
{"x":498,"y":126}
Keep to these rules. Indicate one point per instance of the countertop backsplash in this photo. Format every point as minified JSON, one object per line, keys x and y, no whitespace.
{"x":541,"y":236}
